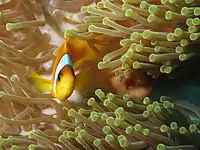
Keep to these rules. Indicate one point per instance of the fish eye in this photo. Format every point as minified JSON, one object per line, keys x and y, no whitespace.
{"x":59,"y":76}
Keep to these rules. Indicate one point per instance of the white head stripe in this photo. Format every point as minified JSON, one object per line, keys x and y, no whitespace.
{"x":64,"y":61}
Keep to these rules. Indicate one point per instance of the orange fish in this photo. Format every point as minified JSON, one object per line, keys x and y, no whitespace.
{"x":62,"y":83}
{"x":74,"y":55}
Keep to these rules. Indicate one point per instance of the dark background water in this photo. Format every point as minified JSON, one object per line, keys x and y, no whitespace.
{"x":185,"y":84}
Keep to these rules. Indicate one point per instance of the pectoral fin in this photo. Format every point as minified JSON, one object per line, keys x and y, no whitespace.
{"x":82,"y":79}
{"x":40,"y":83}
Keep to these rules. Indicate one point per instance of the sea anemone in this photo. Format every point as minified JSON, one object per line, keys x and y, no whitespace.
{"x":104,"y":121}
{"x":114,"y":122}
{"x":23,"y":46}
{"x":156,"y":36}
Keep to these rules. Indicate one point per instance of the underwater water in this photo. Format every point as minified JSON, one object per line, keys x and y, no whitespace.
{"x":99,"y":75}
{"x":185,"y":87}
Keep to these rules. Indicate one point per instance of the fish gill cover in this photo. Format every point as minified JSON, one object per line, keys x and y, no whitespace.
{"x":155,"y":37}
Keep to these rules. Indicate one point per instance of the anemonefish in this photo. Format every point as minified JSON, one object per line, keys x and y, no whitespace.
{"x":74,"y":54}
{"x":63,"y":78}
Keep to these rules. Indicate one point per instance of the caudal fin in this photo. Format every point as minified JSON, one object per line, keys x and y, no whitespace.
{"x":40,"y":83}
